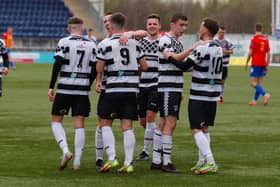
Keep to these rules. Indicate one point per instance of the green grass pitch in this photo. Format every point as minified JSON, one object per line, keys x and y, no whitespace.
{"x":245,"y":140}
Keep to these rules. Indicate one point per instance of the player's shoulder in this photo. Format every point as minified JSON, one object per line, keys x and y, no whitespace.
{"x":103,"y":42}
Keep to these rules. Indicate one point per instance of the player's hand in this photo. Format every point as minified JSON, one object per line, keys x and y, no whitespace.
{"x":5,"y":70}
{"x":98,"y":86}
{"x":51,"y":95}
{"x":123,"y":39}
{"x":246,"y":67}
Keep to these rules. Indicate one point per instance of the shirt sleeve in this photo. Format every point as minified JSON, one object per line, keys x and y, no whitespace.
{"x":197,"y":54}
{"x":101,"y":51}
{"x":62,"y":49}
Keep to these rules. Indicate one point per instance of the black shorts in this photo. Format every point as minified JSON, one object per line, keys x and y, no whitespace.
{"x":79,"y":104}
{"x":119,"y":106}
{"x":201,"y":113}
{"x":147,"y":100}
{"x":225,"y":73}
{"x":169,"y":103}
{"x":100,"y":102}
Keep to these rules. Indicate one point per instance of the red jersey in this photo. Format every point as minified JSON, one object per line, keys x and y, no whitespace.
{"x":8,"y":38}
{"x":260,"y":47}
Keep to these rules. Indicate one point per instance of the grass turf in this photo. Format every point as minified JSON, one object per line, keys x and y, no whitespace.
{"x":245,"y":140}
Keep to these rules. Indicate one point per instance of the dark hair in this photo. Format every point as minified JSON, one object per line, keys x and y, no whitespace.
{"x":258,"y":27}
{"x":108,"y":13}
{"x":75,"y":20}
{"x":118,"y":19}
{"x":223,"y":27}
{"x":90,"y":29}
{"x":154,"y":16}
{"x":211,"y":25}
{"x":177,"y":17}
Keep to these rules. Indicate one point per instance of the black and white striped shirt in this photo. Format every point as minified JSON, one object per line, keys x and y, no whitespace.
{"x":3,"y":50}
{"x":150,"y":48}
{"x":226,"y":44}
{"x":79,"y":56}
{"x":121,"y":62}
{"x":207,"y":72}
{"x":170,"y":77}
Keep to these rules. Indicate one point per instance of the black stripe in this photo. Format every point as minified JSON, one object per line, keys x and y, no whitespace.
{"x":73,"y":87}
{"x":163,"y":61}
{"x":165,"y":153}
{"x":170,"y":85}
{"x":204,"y":93}
{"x":123,"y":73}
{"x":206,"y":81}
{"x":170,"y":73}
{"x":158,"y":150}
{"x":139,"y":58}
{"x":109,"y":62}
{"x":74,"y":75}
{"x":115,"y":37}
{"x":200,"y":68}
{"x":145,"y":81}
{"x":152,"y":70}
{"x":206,"y":57}
{"x":122,"y":85}
{"x":79,"y":38}
{"x":91,"y":63}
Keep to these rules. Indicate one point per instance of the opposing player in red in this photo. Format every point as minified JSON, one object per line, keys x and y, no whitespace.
{"x":260,"y":53}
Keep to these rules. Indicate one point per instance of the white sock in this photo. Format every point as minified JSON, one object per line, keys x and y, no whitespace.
{"x":148,"y":137}
{"x":157,"y":147}
{"x":166,"y":148}
{"x":203,"y":146}
{"x":129,"y":145}
{"x":201,"y":158}
{"x":60,"y":136}
{"x":98,"y":143}
{"x":79,"y":144}
{"x":109,"y":142}
{"x":207,"y":135}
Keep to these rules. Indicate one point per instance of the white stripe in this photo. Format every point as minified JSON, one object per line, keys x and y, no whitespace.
{"x":147,"y":85}
{"x":73,"y":81}
{"x":73,"y":92}
{"x":149,"y":75}
{"x":173,"y":79}
{"x":167,"y":67}
{"x":122,"y":79}
{"x":204,"y":98}
{"x":170,"y":90}
{"x":112,"y":90}
{"x":208,"y":87}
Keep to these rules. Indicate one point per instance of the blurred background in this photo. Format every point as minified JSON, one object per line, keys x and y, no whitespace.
{"x":39,"y":24}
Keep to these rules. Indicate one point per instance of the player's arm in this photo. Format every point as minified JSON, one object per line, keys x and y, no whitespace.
{"x":55,"y":71}
{"x":227,"y":51}
{"x":182,"y":65}
{"x":248,"y":59}
{"x":181,"y":56}
{"x":132,"y":34}
{"x":5,"y":63}
{"x":93,"y":72}
{"x":99,"y":70}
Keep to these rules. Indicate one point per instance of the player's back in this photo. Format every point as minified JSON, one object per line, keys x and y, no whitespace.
{"x":79,"y":56}
{"x":260,"y":47}
{"x":121,"y":64}
{"x":207,"y":72}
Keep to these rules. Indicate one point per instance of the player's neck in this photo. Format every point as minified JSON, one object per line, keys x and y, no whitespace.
{"x":206,"y":38}
{"x":172,"y":33}
{"x":116,"y":32}
{"x":153,"y":37}
{"x":260,"y":33}
{"x":76,"y":33}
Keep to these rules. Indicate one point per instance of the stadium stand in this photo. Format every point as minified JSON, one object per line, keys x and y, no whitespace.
{"x":35,"y":18}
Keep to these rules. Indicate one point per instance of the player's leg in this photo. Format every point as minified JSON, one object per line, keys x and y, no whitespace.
{"x":98,"y":134}
{"x":79,"y":141}
{"x":172,"y":106}
{"x":80,"y":110}
{"x":11,"y":63}
{"x":199,"y":120}
{"x":260,"y":83}
{"x":129,"y":145}
{"x":106,"y":120}
{"x":151,"y":110}
{"x":157,"y":148}
{"x":128,"y":113}
{"x":61,"y":107}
